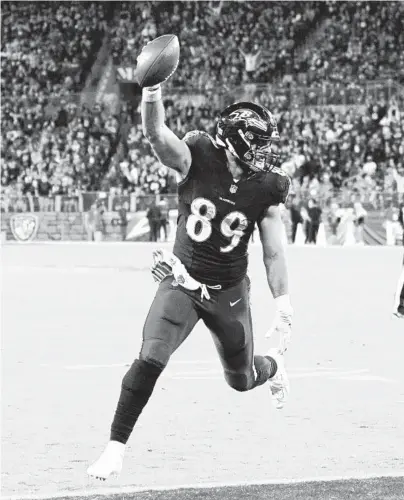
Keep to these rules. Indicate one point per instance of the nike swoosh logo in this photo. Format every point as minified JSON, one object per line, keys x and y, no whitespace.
{"x":234,"y":303}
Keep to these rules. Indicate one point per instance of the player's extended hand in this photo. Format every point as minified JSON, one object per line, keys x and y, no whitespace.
{"x":160,"y":268}
{"x":282,"y":326}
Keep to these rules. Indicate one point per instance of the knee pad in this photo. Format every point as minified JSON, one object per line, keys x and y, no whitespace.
{"x":156,"y":352}
{"x":238,"y":381}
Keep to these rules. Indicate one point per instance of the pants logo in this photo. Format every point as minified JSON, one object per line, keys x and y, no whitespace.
{"x":24,"y":227}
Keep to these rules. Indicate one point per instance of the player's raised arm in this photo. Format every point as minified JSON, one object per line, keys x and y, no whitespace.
{"x":273,"y":245}
{"x":170,"y":149}
{"x":155,"y":64}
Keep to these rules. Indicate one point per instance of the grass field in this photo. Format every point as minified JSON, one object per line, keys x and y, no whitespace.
{"x":72,"y":317}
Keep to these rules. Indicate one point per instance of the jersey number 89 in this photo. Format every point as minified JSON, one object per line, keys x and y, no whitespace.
{"x":199,"y":227}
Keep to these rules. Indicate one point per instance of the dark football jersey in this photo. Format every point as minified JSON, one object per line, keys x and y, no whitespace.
{"x":216,"y":215}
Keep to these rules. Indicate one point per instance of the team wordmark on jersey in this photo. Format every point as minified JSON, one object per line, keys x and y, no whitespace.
{"x":24,"y":227}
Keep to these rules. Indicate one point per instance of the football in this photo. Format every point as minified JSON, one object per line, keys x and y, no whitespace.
{"x":158,"y":60}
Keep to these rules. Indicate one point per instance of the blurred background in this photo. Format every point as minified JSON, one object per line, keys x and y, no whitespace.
{"x":73,"y":156}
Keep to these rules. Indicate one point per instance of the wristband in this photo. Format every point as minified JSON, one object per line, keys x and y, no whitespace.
{"x":283,"y":303}
{"x":151,"y":94}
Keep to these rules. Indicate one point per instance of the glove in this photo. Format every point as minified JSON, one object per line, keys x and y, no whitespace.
{"x":160,"y":268}
{"x":282,"y":324}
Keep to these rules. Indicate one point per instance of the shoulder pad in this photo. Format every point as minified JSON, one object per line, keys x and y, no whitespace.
{"x":282,"y":184}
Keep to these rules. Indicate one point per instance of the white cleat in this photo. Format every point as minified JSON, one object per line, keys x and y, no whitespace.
{"x":279,"y":383}
{"x":109,"y":463}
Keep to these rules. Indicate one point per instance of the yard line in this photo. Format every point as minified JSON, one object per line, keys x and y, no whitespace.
{"x":121,"y":365}
{"x":359,"y":375}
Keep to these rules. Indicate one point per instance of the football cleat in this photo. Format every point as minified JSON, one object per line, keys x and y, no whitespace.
{"x":279,"y":383}
{"x":110,"y":462}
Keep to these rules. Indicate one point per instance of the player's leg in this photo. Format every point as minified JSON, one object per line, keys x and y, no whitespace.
{"x":294,"y":231}
{"x":171,"y":318}
{"x":154,"y":227}
{"x":315,"y":229}
{"x":307,"y":229}
{"x":150,"y":229}
{"x":228,"y":317}
{"x":399,"y":296}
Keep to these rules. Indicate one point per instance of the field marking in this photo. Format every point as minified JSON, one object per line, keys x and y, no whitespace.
{"x":128,"y":490}
{"x":298,"y":371}
{"x":357,"y":375}
{"x":122,"y":365}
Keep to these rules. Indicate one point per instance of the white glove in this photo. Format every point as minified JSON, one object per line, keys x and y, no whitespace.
{"x":282,"y":324}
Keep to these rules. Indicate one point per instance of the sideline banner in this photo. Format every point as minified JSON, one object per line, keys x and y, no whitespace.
{"x":24,"y":226}
{"x":43,"y":226}
{"x":139,"y":230}
{"x":76,"y":226}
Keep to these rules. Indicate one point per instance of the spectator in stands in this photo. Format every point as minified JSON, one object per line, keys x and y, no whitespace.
{"x":252,"y":61}
{"x":54,"y":145}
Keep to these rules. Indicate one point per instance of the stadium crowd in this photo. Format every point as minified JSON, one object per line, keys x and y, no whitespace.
{"x":53,"y":144}
{"x":360,"y":41}
{"x":219,"y":46}
{"x":48,"y":145}
{"x":321,"y":149}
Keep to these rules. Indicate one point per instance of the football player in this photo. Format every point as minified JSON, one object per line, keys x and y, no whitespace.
{"x":398,"y":310}
{"x":226,"y":185}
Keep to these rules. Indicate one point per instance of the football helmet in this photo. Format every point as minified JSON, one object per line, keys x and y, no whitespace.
{"x":249,"y":132}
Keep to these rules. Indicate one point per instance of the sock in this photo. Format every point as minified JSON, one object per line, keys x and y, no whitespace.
{"x":137,"y":387}
{"x":265,"y":367}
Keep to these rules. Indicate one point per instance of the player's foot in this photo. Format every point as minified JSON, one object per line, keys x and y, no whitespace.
{"x":109,"y":463}
{"x":399,"y":312}
{"x":279,"y":383}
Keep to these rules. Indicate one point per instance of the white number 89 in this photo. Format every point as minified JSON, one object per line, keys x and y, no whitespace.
{"x":199,"y":227}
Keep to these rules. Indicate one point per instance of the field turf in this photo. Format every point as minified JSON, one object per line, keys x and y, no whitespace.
{"x":72,"y":317}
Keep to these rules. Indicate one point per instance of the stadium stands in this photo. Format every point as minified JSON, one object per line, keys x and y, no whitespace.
{"x":52,"y":143}
{"x":48,"y":147}
{"x":361,"y":41}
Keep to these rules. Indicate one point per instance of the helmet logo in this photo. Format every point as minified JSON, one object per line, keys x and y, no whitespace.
{"x":247,"y":130}
{"x":250,"y":118}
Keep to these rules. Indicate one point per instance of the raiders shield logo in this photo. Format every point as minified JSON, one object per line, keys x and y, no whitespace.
{"x":24,"y":227}
{"x":233,"y":189}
